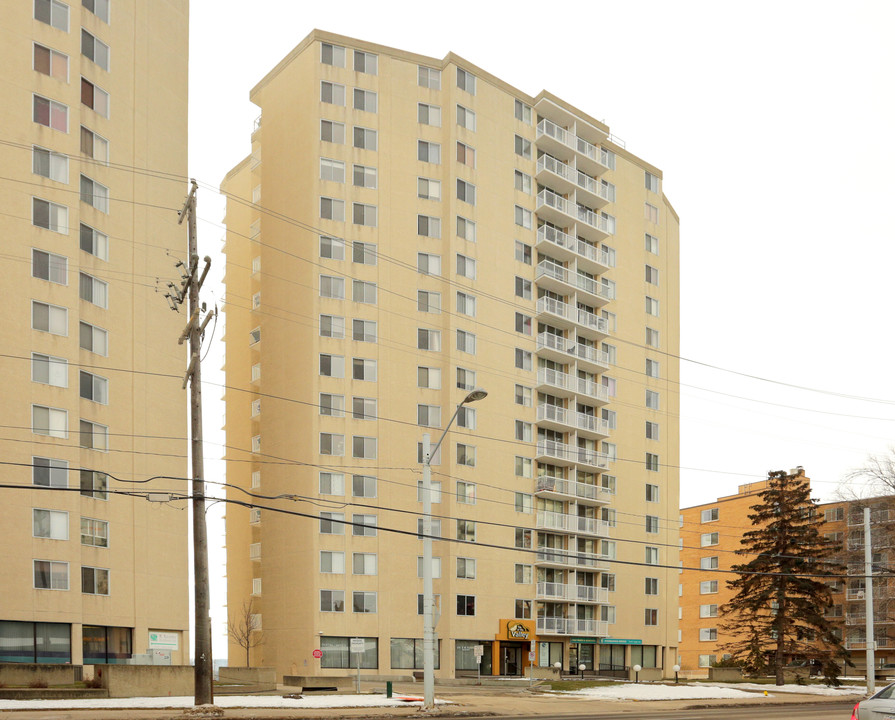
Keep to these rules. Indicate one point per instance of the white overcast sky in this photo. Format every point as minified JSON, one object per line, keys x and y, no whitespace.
{"x":774,"y":125}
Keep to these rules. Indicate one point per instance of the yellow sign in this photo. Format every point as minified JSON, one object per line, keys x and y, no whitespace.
{"x":516,"y":630}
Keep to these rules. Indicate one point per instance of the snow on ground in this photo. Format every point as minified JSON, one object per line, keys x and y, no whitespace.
{"x":224,"y":701}
{"x":698,"y":691}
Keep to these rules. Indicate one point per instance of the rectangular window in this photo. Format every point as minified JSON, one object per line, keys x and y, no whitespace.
{"x":332,"y":366}
{"x":708,"y":611}
{"x":429,"y":78}
{"x":522,"y":573}
{"x":333,"y":132}
{"x":332,"y":287}
{"x":332,"y":326}
{"x":363,"y":408}
{"x":652,"y":337}
{"x":332,"y":93}
{"x":711,"y":515}
{"x":364,"y":563}
{"x":607,"y":613}
{"x":523,"y":538}
{"x":332,"y":405}
{"x":49,"y":215}
{"x":94,"y":387}
{"x":523,"y":252}
{"x":49,"y":266}
{"x":522,"y":147}
{"x":523,"y":359}
{"x":332,"y":444}
{"x":428,"y":189}
{"x":53,"y":13}
{"x":94,"y":49}
{"x":49,"y":318}
{"x":94,"y":97}
{"x":332,"y":55}
{"x":652,"y":430}
{"x":94,"y":194}
{"x":332,"y":601}
{"x":94,"y":436}
{"x":466,"y":568}
{"x":94,"y":485}
{"x":466,"y":266}
{"x":365,"y":100}
{"x":466,"y":493}
{"x":49,"y":164}
{"x":523,"y":395}
{"x":652,"y":182}
{"x":523,"y":609}
{"x":332,"y":209}
{"x":650,"y":616}
{"x":652,"y":493}
{"x":427,"y":301}
{"x":332,"y":248}
{"x":651,"y":586}
{"x":94,"y":242}
{"x":428,"y":114}
{"x":363,"y":292}
{"x":332,"y":523}
{"x":523,"y":502}
{"x":465,"y":118}
{"x":522,"y":112}
{"x":94,"y":532}
{"x":50,"y":113}
{"x":332,"y":170}
{"x":428,"y":339}
{"x":523,"y":324}
{"x":522,"y":181}
{"x":466,"y":193}
{"x":466,"y":229}
{"x":365,"y":62}
{"x":363,"y":447}
{"x":428,"y":264}
{"x":466,"y":303}
{"x":652,"y":462}
{"x":465,"y":379}
{"x":651,"y":274}
{"x":466,"y":342}
{"x":93,"y":290}
{"x":363,"y":330}
{"x":49,"y":421}
{"x":708,"y":563}
{"x":466,"y":455}
{"x":652,"y":399}
{"x":365,"y":176}
{"x":332,"y":483}
{"x":651,"y":213}
{"x":523,"y":467}
{"x":332,"y":562}
{"x":100,"y":8}
{"x":428,"y":377}
{"x":706,"y":661}
{"x":652,"y":524}
{"x":49,"y":370}
{"x":49,"y":575}
{"x":363,"y":525}
{"x":708,"y":539}
{"x":651,"y":244}
{"x":708,"y":587}
{"x":465,"y":154}
{"x":523,"y":431}
{"x":652,"y":306}
{"x":363,"y":369}
{"x":363,"y":486}
{"x":466,"y":81}
{"x":50,"y":524}
{"x":47,"y":472}
{"x":365,"y":138}
{"x":651,"y":555}
{"x":428,"y":415}
{"x":365,"y":214}
{"x":523,"y":217}
{"x":466,"y":605}
{"x":428,"y":152}
{"x":428,"y":226}
{"x":652,"y":368}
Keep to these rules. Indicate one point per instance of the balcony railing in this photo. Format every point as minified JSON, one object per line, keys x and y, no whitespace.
{"x":569,"y":453}
{"x":551,"y":164}
{"x":573,"y":489}
{"x":570,"y":347}
{"x":592,"y":390}
{"x":594,"y":322}
{"x":546,"y":233}
{"x":556,"y":379}
{"x":573,"y":142}
{"x":590,"y":594}
{"x":571,"y":626}
{"x":558,"y":308}
{"x":564,"y":522}
{"x":557,"y":202}
{"x":860,"y":618}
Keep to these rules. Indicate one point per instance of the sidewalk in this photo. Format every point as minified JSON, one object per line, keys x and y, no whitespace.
{"x":462,"y":700}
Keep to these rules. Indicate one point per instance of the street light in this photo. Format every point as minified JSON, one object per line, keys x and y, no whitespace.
{"x":428,"y":599}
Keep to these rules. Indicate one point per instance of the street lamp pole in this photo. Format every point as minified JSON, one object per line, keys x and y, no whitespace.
{"x":428,"y":597}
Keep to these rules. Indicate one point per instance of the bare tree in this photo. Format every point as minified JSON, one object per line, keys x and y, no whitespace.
{"x":876,"y":477}
{"x":245,"y":629}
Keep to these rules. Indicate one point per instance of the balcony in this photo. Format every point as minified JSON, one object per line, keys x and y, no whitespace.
{"x":565,"y":144}
{"x":553,"y":591}
{"x":882,"y":643}
{"x":591,"y":225}
{"x":556,"y":382}
{"x":560,"y":418}
{"x":571,"y":455}
{"x":566,"y":247}
{"x":562,"y":489}
{"x":572,"y":593}
{"x":556,"y":174}
{"x":597,"y":393}
{"x":557,"y":557}
{"x":559,"y":279}
{"x":556,"y":312}
{"x":572,"y":626}
{"x":590,"y":594}
{"x":566,"y":523}
{"x":860,"y":618}
{"x":555,"y":208}
{"x":562,"y":349}
{"x":597,"y":293}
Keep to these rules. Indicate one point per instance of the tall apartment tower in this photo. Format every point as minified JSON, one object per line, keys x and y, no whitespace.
{"x":407,"y":229}
{"x":93,"y":107}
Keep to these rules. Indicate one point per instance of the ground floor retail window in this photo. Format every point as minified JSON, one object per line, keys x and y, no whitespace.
{"x":32,"y":642}
{"x":644,"y":655}
{"x":464,"y":656}
{"x":550,"y":653}
{"x":407,"y":654}
{"x":336,"y":653}
{"x":612,"y":657}
{"x":581,"y":654}
{"x":107,"y":644}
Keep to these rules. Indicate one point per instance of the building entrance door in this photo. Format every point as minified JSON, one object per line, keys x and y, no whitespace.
{"x":511,"y":658}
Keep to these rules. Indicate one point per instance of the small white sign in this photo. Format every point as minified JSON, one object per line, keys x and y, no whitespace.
{"x":478,"y":659}
{"x":164,"y":640}
{"x":531,"y":656}
{"x":478,"y":651}
{"x":357,"y":645}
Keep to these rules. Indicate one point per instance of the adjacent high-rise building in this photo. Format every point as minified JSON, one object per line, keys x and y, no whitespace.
{"x":407,"y":229}
{"x":93,"y":111}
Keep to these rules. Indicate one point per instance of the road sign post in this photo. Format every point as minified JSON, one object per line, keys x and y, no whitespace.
{"x":357,"y":648}
{"x":478,"y":651}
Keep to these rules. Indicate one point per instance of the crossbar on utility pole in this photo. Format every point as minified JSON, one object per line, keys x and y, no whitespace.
{"x":204,"y":693}
{"x":868,"y":606}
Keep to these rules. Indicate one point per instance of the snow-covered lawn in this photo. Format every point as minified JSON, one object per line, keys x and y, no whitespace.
{"x":224,"y":701}
{"x":699,"y":691}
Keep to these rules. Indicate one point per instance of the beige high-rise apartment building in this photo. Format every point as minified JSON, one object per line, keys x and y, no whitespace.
{"x":407,"y":229}
{"x":93,"y":111}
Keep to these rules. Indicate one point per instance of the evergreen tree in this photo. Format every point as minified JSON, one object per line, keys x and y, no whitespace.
{"x":778,"y":611}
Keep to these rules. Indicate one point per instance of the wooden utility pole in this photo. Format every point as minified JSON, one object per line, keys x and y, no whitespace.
{"x":204,"y":694}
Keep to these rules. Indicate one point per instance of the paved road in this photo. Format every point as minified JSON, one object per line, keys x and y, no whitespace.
{"x":825,"y":711}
